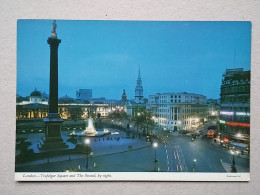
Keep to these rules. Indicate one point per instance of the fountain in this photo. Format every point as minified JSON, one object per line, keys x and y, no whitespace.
{"x":90,"y":129}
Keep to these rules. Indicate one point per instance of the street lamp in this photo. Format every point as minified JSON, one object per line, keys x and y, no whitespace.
{"x":87,"y":142}
{"x":239,"y":135}
{"x":233,"y":165}
{"x":194,"y":164}
{"x":155,"y":145}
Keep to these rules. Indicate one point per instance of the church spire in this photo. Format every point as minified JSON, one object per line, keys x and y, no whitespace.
{"x":139,"y":89}
{"x":139,"y":75}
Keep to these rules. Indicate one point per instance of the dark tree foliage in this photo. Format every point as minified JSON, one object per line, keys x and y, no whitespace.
{"x":118,"y":115}
{"x":75,"y":112}
{"x":83,"y":148}
{"x":144,"y":120}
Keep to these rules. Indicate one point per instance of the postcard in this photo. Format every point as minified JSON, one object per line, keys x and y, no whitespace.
{"x":133,"y":100}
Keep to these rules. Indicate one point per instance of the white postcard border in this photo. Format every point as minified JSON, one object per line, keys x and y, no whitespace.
{"x":130,"y":176}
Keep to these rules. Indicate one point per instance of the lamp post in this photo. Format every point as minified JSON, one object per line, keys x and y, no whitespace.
{"x":233,"y":165}
{"x":194,"y":164}
{"x":87,"y":142}
{"x":155,"y":145}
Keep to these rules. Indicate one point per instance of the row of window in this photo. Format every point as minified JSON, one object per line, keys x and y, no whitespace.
{"x":236,"y":89}
{"x":236,"y":130}
{"x":245,"y":119}
{"x":236,"y":109}
{"x":201,"y":110}
{"x":235,"y":82}
{"x":185,"y":123}
{"x":235,"y":99}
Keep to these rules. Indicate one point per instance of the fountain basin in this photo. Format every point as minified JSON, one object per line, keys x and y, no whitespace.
{"x":98,"y":133}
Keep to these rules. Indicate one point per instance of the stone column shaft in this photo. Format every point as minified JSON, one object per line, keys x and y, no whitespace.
{"x":53,"y":93}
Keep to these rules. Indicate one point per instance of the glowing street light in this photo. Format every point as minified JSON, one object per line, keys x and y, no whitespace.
{"x":239,"y":135}
{"x":194,"y":164}
{"x":87,"y":142}
{"x":155,"y":145}
{"x":213,"y":113}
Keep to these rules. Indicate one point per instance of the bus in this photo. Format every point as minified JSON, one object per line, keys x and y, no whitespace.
{"x":211,"y":133}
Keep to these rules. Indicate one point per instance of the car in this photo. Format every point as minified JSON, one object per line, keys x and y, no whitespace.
{"x":183,"y":132}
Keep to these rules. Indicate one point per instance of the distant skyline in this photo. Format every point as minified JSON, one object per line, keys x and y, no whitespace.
{"x":105,"y":56}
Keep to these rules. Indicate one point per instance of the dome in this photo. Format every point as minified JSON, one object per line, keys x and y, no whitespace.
{"x":36,"y":93}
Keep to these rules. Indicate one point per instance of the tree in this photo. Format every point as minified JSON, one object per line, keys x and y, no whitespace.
{"x":83,"y":148}
{"x":118,"y":115}
{"x":23,"y":146}
{"x":144,"y":120}
{"x":75,"y":112}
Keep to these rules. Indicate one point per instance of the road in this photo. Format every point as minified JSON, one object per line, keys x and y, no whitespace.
{"x":180,"y":152}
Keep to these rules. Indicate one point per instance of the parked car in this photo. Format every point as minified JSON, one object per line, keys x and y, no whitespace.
{"x":183,"y":132}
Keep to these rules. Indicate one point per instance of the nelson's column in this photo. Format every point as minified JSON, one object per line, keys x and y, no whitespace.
{"x":53,"y":121}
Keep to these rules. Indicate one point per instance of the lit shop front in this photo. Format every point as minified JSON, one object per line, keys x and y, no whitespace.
{"x":235,"y":135}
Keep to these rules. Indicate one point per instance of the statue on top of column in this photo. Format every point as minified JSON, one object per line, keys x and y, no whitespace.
{"x":53,"y":32}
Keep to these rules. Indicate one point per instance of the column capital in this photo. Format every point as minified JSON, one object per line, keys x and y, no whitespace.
{"x":53,"y":41}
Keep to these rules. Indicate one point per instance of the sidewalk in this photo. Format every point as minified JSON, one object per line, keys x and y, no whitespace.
{"x":217,"y":145}
{"x":227,"y":167}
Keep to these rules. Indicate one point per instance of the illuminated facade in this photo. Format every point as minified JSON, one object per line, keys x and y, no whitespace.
{"x":85,"y":110}
{"x":178,"y":111}
{"x":235,"y":108}
{"x":35,"y":108}
{"x":213,"y":108}
{"x":133,"y":108}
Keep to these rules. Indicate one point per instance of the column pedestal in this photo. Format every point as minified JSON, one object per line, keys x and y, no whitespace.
{"x":53,"y":140}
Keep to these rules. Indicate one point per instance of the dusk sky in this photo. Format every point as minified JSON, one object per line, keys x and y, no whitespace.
{"x":105,"y":56}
